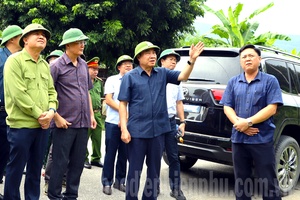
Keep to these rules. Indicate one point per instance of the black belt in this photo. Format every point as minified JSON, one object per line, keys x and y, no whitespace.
{"x":172,"y":118}
{"x":2,"y":108}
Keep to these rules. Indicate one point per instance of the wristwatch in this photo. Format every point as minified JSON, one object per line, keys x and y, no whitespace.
{"x":53,"y":110}
{"x":183,"y":122}
{"x":249,"y":122}
{"x":189,"y":62}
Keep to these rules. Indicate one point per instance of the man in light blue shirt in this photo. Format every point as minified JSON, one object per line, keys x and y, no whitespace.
{"x":113,"y":142}
{"x":168,"y":59}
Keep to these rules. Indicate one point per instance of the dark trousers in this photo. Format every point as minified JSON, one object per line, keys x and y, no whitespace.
{"x":4,"y":145}
{"x":96,"y":136}
{"x":172,"y":154}
{"x":27,"y":147}
{"x":263,"y":158}
{"x":113,"y":143}
{"x":48,"y":167}
{"x":138,"y":149}
{"x":68,"y":154}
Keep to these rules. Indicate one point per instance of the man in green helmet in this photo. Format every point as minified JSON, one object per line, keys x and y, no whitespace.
{"x":113,"y":142}
{"x":146,"y":121}
{"x":30,"y":103}
{"x":74,"y":116}
{"x":53,"y":55}
{"x":168,"y":59}
{"x":11,"y":36}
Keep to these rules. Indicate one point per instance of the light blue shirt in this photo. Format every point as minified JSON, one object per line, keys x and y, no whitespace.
{"x":112,"y":86}
{"x":174,"y":94}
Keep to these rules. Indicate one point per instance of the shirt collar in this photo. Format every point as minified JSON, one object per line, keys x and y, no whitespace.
{"x":68,"y":61}
{"x":140,"y":70}
{"x":7,"y":52}
{"x":242,"y":78}
{"x":27,"y":56}
{"x":119,"y":77}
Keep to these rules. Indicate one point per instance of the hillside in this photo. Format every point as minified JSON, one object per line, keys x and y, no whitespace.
{"x":289,"y":45}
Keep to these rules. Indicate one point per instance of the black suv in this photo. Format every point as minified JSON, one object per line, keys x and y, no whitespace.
{"x":208,"y":130}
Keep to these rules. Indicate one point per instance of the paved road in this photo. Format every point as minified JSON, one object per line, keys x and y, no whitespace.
{"x":205,"y":180}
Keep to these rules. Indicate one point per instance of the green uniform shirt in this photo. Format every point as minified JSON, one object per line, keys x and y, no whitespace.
{"x":96,"y":93}
{"x":28,"y":90}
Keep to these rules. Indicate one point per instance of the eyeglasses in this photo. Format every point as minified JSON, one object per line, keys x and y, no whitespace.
{"x":81,"y":42}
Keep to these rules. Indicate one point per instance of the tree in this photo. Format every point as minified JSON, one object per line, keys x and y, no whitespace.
{"x":114,"y":27}
{"x":235,"y":33}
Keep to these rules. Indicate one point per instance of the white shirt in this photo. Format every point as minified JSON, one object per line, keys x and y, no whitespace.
{"x":174,"y":94}
{"x":112,"y":86}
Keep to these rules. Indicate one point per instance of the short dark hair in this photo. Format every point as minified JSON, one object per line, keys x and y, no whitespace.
{"x":250,"y":46}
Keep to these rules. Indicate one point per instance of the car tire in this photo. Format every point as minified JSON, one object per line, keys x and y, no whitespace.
{"x":185,"y":161}
{"x":287,"y":154}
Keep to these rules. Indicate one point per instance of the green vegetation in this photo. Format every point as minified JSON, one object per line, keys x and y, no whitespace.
{"x":114,"y":27}
{"x":235,"y":33}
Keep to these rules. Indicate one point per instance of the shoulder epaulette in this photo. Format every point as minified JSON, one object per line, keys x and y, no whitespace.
{"x":98,"y":78}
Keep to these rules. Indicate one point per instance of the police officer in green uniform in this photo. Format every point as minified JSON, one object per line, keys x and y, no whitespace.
{"x":95,"y":134}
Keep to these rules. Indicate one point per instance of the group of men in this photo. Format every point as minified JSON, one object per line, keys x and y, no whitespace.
{"x":142,"y":104}
{"x":31,"y":102}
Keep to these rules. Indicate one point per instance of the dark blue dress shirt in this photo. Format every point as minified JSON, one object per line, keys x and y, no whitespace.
{"x":4,"y":53}
{"x":147,"y":104}
{"x":249,"y":98}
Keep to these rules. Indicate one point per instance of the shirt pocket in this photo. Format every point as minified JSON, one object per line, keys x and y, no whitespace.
{"x":45,"y":81}
{"x":30,"y":81}
{"x":259,"y":98}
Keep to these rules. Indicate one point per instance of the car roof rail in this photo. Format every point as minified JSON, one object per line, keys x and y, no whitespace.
{"x":276,"y":51}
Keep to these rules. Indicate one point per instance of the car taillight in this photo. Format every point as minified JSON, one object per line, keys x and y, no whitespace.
{"x":217,"y":93}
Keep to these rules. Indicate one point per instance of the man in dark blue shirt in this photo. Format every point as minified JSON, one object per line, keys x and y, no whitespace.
{"x":143,"y":89}
{"x":250,"y":101}
{"x":10,"y":41}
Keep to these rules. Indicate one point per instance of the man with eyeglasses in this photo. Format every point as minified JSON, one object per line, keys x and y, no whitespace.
{"x":250,"y":101}
{"x":30,"y":103}
{"x":73,"y":118}
{"x":113,"y":142}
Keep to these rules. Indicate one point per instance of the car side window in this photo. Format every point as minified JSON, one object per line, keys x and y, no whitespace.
{"x":294,"y":79}
{"x":279,"y":70}
{"x":297,"y":68}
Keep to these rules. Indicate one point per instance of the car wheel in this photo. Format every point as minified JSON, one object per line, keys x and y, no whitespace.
{"x":287,"y":154}
{"x":165,"y":158}
{"x":185,"y":161}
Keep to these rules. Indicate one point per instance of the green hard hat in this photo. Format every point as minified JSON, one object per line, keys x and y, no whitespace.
{"x":73,"y":35}
{"x":10,"y":32}
{"x":166,"y":53}
{"x":33,"y":27}
{"x":121,"y":59}
{"x":55,"y":53}
{"x":142,"y":47}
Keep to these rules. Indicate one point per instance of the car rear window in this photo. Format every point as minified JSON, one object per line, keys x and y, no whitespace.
{"x":213,"y":67}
